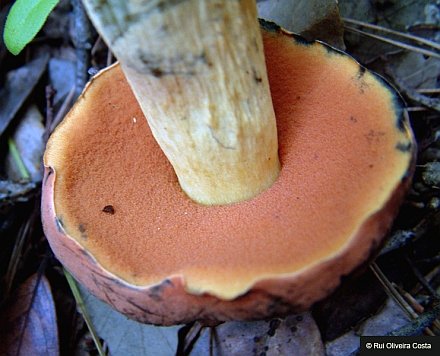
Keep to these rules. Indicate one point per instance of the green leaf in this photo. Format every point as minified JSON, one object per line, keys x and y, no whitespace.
{"x":25,"y":19}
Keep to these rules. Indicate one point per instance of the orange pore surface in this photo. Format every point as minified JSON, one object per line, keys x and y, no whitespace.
{"x":337,"y":143}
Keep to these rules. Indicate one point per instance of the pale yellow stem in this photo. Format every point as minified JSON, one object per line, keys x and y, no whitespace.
{"x":197,"y":69}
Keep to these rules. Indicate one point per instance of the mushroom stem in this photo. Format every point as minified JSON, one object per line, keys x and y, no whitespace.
{"x":197,"y":69}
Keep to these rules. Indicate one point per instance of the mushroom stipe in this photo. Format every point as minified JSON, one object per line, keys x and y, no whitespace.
{"x":347,"y":156}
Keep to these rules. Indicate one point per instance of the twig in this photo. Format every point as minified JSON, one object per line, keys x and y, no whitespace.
{"x":50,"y":93}
{"x":403,"y":237}
{"x":109,"y":57}
{"x":396,"y":33}
{"x":417,"y":326}
{"x":429,"y":277}
{"x":82,"y":40}
{"x":79,"y":301}
{"x":16,"y":157}
{"x":418,"y":308}
{"x":429,"y":91}
{"x":416,"y":108}
{"x":63,"y":109}
{"x":96,"y":46}
{"x":422,"y":280}
{"x":394,"y":43}
{"x":392,"y":291}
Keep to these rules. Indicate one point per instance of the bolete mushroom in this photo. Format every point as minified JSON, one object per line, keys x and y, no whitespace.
{"x":221,"y":230}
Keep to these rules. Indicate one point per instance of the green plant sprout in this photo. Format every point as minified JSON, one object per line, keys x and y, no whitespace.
{"x":24,"y":20}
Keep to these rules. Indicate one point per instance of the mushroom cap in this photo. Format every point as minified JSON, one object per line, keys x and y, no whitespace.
{"x":115,"y":216}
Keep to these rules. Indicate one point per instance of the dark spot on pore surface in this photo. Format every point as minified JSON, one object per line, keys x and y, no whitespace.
{"x":353,"y":119}
{"x":82,"y":230}
{"x":109,"y":209}
{"x":273,"y":326}
{"x":299,"y":318}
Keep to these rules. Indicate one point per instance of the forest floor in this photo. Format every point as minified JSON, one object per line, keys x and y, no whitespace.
{"x":44,"y":311}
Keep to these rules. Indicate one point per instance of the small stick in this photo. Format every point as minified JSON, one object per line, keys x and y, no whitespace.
{"x":418,"y":325}
{"x":392,"y":291}
{"x":63,"y":109}
{"x":80,"y":302}
{"x":422,"y":280}
{"x":429,"y":91}
{"x":417,"y":307}
{"x":397,"y":33}
{"x":416,"y":108}
{"x":96,"y":45}
{"x":50,"y":93}
{"x":82,"y":40}
{"x":428,"y":277}
{"x":403,"y":237}
{"x":109,"y":57}
{"x":394,"y":43}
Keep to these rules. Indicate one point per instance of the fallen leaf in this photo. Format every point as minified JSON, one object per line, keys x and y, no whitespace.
{"x":125,"y":336}
{"x":358,"y":297}
{"x":18,"y":86}
{"x":29,"y":324}
{"x":390,"y":317}
{"x":294,"y":335}
{"x":28,"y":138}
{"x":313,"y":19}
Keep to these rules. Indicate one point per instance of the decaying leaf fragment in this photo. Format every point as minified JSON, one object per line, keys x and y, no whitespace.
{"x":28,"y":321}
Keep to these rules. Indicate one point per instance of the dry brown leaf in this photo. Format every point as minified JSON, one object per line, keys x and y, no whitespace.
{"x":28,"y":320}
{"x":313,"y":19}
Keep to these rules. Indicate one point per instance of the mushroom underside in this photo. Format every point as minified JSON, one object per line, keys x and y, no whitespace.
{"x":116,"y":217}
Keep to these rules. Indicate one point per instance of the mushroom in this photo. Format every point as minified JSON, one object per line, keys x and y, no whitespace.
{"x":193,"y":216}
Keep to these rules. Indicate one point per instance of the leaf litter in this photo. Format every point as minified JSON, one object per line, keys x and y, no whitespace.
{"x":414,"y":231}
{"x":19,"y":85}
{"x":29,"y":322}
